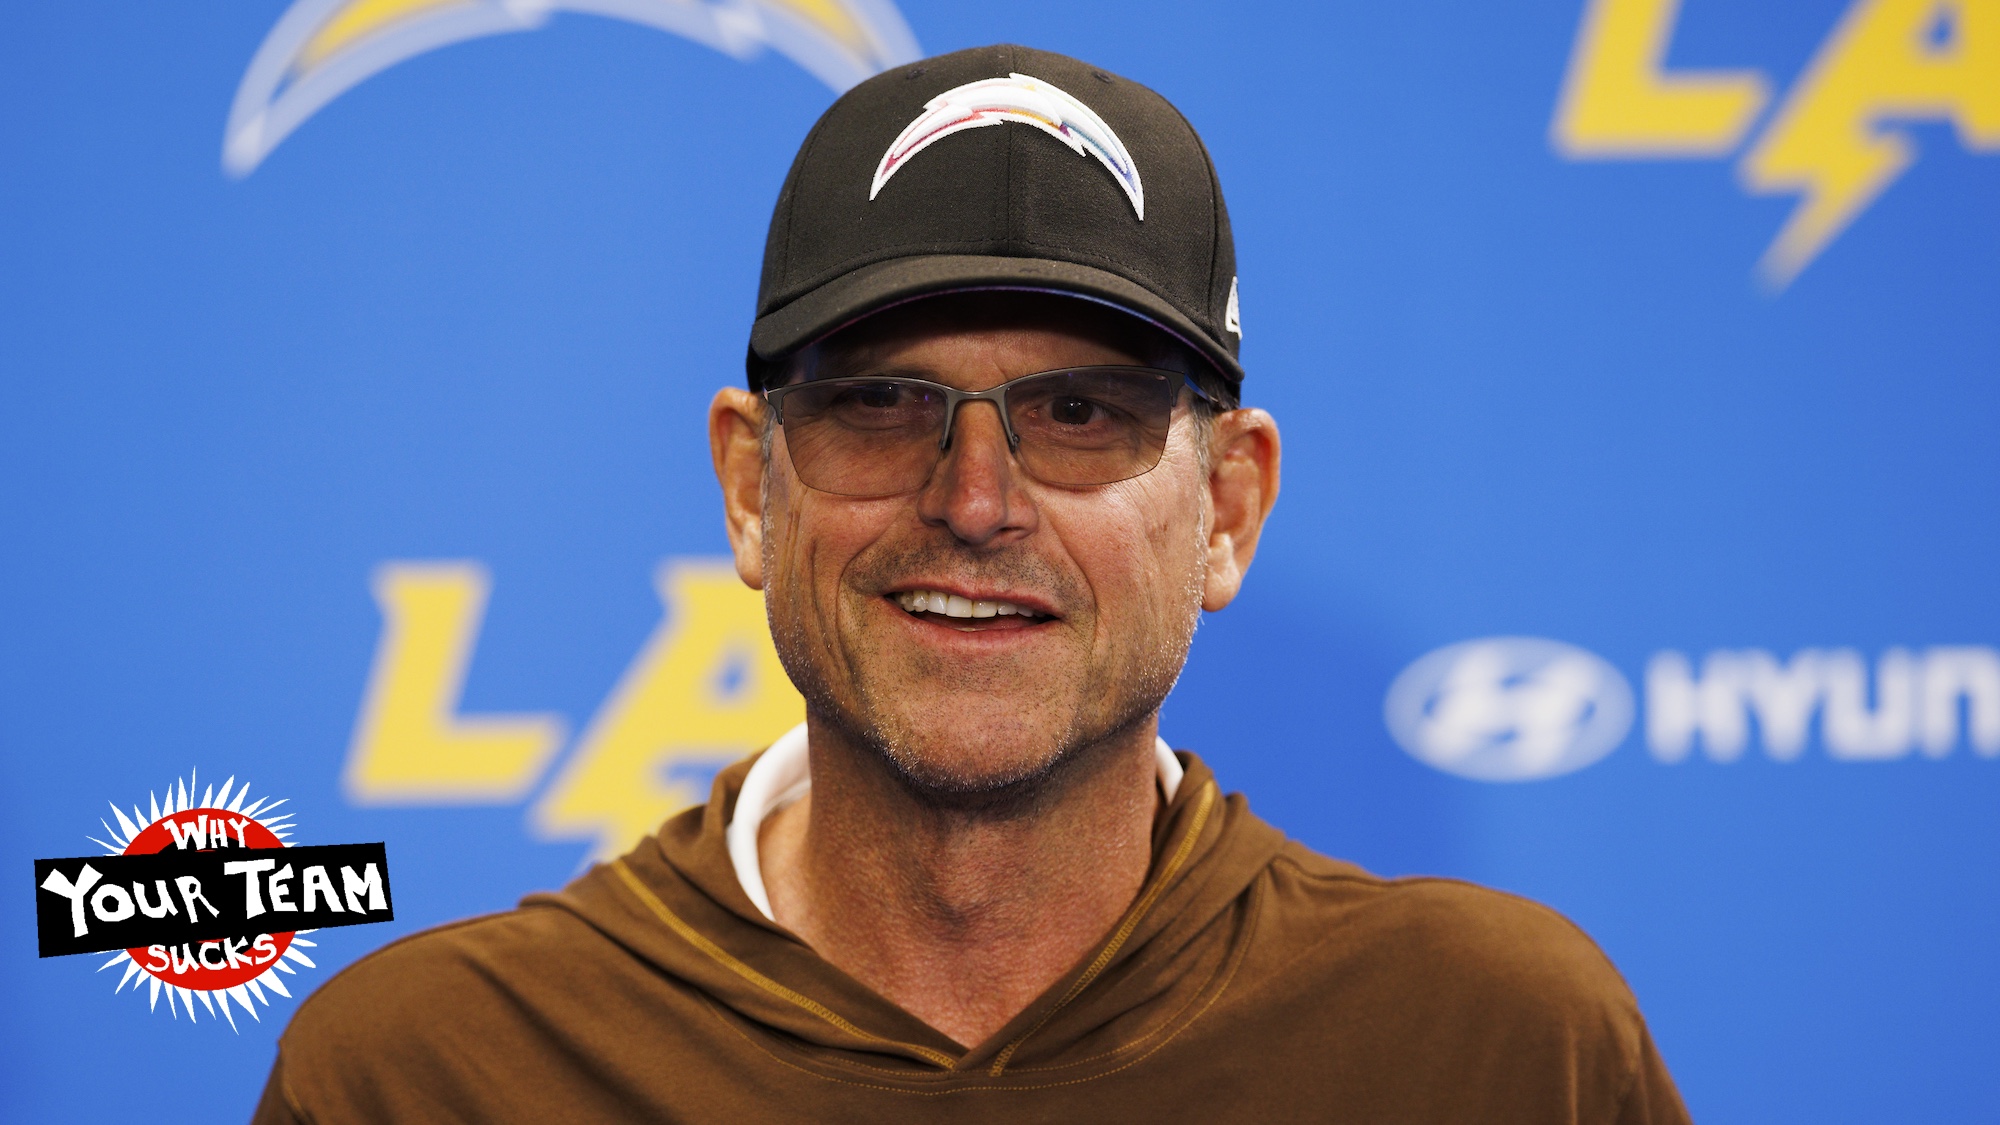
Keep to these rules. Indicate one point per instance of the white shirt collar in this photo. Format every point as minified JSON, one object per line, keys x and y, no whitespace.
{"x":784,"y":774}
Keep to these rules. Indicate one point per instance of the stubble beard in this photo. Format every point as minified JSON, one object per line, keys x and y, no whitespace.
{"x":930,"y":764}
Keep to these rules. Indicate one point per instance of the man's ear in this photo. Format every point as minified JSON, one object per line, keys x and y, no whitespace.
{"x":1242,"y":485}
{"x":736,"y":441}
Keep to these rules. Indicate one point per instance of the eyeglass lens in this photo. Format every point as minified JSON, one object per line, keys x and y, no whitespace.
{"x":884,"y":436}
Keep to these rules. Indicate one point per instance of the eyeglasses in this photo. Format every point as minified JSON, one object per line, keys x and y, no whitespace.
{"x":882,"y":435}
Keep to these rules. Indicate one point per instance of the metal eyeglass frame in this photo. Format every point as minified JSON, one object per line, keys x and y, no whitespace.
{"x":954,"y":398}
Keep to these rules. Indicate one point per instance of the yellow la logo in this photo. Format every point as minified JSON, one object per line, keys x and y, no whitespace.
{"x":705,"y":688}
{"x":1830,"y":142}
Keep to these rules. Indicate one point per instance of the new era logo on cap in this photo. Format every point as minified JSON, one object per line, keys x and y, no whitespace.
{"x":1023,"y":100}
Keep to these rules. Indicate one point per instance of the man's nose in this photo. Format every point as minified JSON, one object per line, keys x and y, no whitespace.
{"x":976,"y":490}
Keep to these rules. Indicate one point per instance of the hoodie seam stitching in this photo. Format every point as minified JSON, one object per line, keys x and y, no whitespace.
{"x":993,"y":1089}
{"x":292,"y":1098}
{"x":1225,"y":973}
{"x":1170,"y":1026}
{"x":1125,"y":929}
{"x":722,"y":957}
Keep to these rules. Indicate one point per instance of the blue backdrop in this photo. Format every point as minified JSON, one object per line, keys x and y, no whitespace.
{"x":1666,"y":332}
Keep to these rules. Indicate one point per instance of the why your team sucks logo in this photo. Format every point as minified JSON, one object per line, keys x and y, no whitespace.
{"x":204,"y":898}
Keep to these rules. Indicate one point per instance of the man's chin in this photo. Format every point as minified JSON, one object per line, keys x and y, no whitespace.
{"x":969,"y":763}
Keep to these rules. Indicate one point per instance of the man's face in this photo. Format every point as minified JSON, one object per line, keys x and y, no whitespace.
{"x":1111,"y":577}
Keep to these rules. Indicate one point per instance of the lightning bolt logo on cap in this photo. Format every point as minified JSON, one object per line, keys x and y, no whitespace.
{"x":1022,"y":100}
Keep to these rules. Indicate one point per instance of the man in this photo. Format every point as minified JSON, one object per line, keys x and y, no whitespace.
{"x":989,"y":470}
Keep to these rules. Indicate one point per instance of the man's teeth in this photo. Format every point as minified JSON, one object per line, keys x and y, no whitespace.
{"x":952,"y":605}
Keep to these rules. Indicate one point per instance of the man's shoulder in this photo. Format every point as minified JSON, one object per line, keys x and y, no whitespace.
{"x":432,"y":980}
{"x":1434,"y":999}
{"x":1446,"y":938}
{"x":452,"y":1022}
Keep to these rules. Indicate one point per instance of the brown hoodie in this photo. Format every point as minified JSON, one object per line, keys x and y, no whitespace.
{"x":1251,"y":980}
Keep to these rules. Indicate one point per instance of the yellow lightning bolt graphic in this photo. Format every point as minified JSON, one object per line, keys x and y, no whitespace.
{"x":1888,"y":60}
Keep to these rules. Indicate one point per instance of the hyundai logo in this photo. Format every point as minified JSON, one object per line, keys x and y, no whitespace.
{"x":1509,"y":709}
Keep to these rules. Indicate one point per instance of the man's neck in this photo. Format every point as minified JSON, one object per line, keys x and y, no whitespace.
{"x":961,"y":917}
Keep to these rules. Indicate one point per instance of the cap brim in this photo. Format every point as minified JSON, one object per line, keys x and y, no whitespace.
{"x":873,"y":287}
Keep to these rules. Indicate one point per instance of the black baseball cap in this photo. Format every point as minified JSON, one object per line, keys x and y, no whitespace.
{"x":1000,"y":168}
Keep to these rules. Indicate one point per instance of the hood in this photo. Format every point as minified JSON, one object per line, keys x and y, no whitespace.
{"x":674,"y":902}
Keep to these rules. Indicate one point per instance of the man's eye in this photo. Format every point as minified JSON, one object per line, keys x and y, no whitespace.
{"x":1074,"y":411}
{"x":881,"y":396}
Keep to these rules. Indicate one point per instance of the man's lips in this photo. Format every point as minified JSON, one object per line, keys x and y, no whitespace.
{"x":968,"y":611}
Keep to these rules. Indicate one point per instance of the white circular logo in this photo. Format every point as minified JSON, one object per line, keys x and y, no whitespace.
{"x":1509,"y":708}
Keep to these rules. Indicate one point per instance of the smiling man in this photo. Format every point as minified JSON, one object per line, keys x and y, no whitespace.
{"x":989,"y":470}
